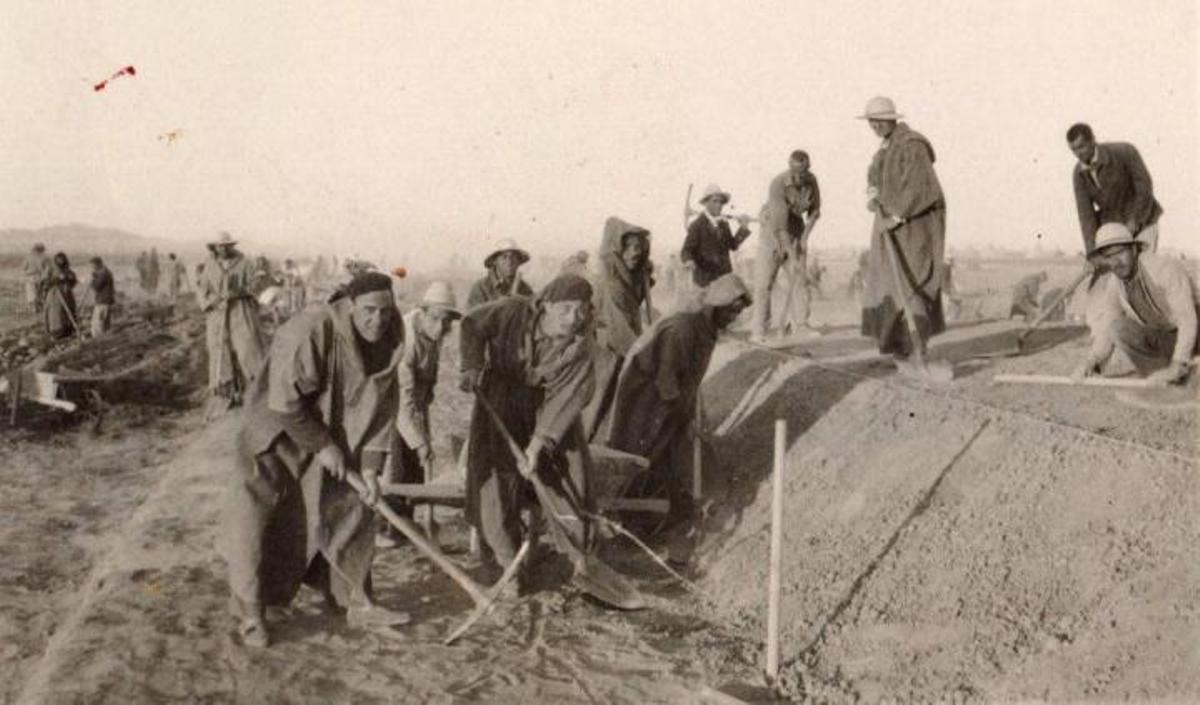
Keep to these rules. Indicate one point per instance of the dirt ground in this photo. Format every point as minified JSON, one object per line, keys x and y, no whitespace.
{"x":971,"y":543}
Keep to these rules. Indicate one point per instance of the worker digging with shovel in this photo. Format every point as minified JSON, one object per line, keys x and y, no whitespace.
{"x":530,"y":364}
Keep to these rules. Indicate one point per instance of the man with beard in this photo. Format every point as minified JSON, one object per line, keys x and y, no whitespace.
{"x":324,"y":408}
{"x":655,"y":403}
{"x":502,"y":278}
{"x":530,"y":361}
{"x":623,"y":286}
{"x":236,"y":345}
{"x":411,"y":460}
{"x":1144,"y":319}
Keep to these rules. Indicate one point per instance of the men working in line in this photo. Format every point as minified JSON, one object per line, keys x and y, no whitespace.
{"x":34,"y":270}
{"x":411,"y":460}
{"x":531,"y":360}
{"x":58,"y":292}
{"x":1112,"y":185}
{"x":1145,"y":317}
{"x":908,"y":238}
{"x":236,"y":345}
{"x":792,"y":209}
{"x":709,"y":239}
{"x":623,"y":285}
{"x":1025,"y":296}
{"x":324,"y":406}
{"x":502,"y":278}
{"x":655,"y":403}
{"x":176,"y":277}
{"x":103,"y":297}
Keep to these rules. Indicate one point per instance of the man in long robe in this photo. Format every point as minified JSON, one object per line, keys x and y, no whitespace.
{"x":624,"y":282}
{"x":503,"y":277}
{"x":323,"y":408}
{"x":411,"y":461}
{"x":236,"y":344}
{"x":532,"y":361}
{"x":910,"y":216}
{"x":1146,"y":317}
{"x":655,"y":407}
{"x":58,"y":286}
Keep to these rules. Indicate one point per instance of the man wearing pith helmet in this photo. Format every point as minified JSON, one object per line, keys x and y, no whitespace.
{"x":1144,"y":317}
{"x":503,"y":277}
{"x":710,"y":240}
{"x":910,"y":215}
{"x":425,"y":327}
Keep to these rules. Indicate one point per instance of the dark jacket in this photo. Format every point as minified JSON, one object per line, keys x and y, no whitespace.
{"x":708,"y":247}
{"x":1116,"y":189}
{"x":103,"y":290}
{"x":488,"y":289}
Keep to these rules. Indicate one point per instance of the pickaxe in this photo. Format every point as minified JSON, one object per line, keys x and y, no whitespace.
{"x":484,"y":597}
{"x":689,"y":211}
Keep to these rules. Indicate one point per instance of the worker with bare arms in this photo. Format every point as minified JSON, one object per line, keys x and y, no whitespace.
{"x":1144,"y":319}
{"x":791,"y":211}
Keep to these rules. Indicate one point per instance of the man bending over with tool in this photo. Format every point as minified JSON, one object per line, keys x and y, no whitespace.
{"x":323,"y":408}
{"x":1145,"y":315}
{"x":655,"y":408}
{"x":530,"y":365}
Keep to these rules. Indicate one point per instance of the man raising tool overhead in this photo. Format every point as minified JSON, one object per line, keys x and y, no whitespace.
{"x":709,"y":239}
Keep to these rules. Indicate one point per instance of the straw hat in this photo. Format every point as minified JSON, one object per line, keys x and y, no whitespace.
{"x":880,"y":108}
{"x":439,"y":295}
{"x":714,"y":191}
{"x":225,"y":239}
{"x":1111,"y":234}
{"x":506,"y":245}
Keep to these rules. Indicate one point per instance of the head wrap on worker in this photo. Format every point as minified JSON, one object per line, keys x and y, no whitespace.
{"x":566,"y":287}
{"x":367,"y":282}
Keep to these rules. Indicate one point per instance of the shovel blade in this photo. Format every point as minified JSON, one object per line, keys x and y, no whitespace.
{"x":608,"y":586}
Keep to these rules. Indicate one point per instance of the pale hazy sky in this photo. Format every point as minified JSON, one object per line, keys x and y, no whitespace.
{"x":413,"y":130}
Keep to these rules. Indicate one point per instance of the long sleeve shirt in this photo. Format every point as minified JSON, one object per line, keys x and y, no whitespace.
{"x":708,"y":245}
{"x":1160,"y":296}
{"x":103,"y":291}
{"x":501,"y":339}
{"x":318,"y":388}
{"x":1114,"y":188}
{"x":417,"y":375}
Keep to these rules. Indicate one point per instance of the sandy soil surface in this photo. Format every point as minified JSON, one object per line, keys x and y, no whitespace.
{"x":973,"y":543}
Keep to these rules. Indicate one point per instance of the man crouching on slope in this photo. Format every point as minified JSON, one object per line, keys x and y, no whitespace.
{"x":323,"y":406}
{"x":1145,"y":316}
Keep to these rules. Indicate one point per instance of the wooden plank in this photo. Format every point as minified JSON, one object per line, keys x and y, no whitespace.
{"x":1128,"y":382}
{"x":631,"y":504}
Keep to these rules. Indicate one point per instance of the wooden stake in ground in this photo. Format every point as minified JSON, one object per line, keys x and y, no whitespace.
{"x":773,"y":584}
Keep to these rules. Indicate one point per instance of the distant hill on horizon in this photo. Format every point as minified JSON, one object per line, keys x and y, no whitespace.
{"x":80,"y":239}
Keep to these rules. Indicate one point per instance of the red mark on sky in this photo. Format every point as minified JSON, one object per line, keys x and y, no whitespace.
{"x":127,"y":71}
